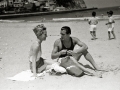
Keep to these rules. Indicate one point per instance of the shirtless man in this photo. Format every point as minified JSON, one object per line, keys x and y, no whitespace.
{"x":63,"y":50}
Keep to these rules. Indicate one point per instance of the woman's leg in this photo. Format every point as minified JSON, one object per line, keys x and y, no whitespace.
{"x":75,"y":71}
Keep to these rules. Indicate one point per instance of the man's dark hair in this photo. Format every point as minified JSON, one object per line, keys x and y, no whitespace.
{"x":68,"y":30}
{"x":93,"y":13}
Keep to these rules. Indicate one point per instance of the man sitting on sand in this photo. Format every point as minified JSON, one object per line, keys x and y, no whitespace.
{"x":68,"y":57}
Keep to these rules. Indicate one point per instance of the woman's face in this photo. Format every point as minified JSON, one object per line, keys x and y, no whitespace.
{"x":43,"y":35}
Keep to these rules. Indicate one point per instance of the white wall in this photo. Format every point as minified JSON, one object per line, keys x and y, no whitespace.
{"x":102,"y":3}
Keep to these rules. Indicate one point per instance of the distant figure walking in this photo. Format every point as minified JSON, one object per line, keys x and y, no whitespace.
{"x":93,"y":25}
{"x":110,"y":25}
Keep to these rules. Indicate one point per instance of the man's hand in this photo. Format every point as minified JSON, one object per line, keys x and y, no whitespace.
{"x":70,"y":52}
{"x":62,"y":52}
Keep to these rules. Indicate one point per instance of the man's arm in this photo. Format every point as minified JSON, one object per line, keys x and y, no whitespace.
{"x":55,"y":53}
{"x":82,"y":48}
{"x":82,"y":45}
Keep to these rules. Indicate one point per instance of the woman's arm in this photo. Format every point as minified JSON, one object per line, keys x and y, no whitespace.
{"x":34,"y":57}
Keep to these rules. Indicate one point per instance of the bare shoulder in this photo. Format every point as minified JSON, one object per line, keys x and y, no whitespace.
{"x":35,"y":45}
{"x":57,"y":42}
{"x":75,"y":39}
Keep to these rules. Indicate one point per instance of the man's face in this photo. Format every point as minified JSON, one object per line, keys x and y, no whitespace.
{"x":63,"y":34}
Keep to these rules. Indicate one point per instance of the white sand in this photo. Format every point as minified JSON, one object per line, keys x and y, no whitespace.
{"x":16,"y":39}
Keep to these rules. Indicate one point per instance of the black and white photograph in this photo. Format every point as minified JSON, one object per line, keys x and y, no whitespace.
{"x":59,"y":44}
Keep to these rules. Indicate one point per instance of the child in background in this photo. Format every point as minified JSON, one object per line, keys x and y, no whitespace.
{"x":110,"y":25}
{"x":93,"y":25}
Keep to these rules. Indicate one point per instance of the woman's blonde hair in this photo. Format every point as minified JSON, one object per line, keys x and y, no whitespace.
{"x":38,"y":30}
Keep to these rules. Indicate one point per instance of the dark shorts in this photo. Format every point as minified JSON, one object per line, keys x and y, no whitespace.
{"x":39,"y":63}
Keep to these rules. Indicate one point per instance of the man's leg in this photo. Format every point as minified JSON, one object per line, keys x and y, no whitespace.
{"x":91,"y":32}
{"x":90,"y":59}
{"x":109,"y":36}
{"x":113,"y":34}
{"x":94,"y":33}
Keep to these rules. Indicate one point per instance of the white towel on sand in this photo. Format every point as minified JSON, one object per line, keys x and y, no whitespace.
{"x":24,"y":76}
{"x":27,"y":75}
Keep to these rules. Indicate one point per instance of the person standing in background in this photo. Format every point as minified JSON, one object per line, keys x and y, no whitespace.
{"x":110,"y":25}
{"x":93,"y":25}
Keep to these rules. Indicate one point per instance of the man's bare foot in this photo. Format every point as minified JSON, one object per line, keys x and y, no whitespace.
{"x":114,"y":38}
{"x":102,"y":70}
{"x":92,"y":38}
{"x":98,"y":74}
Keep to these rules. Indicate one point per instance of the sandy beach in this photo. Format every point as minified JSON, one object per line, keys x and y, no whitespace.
{"x":17,"y":37}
